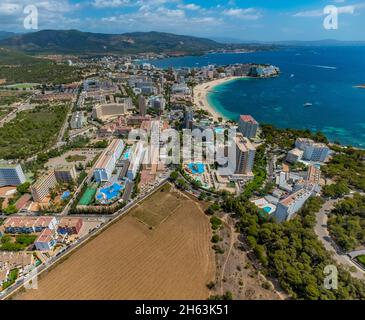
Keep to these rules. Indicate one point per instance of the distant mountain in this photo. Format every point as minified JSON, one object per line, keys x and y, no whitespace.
{"x":325,"y":42}
{"x":5,"y":35}
{"x":73,"y":41}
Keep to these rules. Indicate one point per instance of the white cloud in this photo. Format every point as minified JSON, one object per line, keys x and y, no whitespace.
{"x":247,"y":14}
{"x":110,"y":3}
{"x":350,"y":9}
{"x":189,"y":6}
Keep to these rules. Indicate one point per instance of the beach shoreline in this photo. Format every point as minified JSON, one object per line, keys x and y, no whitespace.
{"x":201,"y":96}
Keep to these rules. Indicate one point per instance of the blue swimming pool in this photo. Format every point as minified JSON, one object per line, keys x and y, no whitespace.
{"x":127,"y":154}
{"x":109,"y":193}
{"x":196,"y":168}
{"x":65,"y":195}
{"x":267,"y":209}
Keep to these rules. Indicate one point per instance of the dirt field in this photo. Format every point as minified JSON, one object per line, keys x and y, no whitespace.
{"x":130,"y":261}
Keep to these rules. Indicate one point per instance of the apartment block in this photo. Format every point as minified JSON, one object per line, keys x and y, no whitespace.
{"x":11,"y":174}
{"x":42,"y":187}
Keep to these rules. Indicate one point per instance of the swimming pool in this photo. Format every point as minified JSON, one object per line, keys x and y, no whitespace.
{"x":65,"y":195}
{"x":127,"y":154}
{"x":267,"y":209}
{"x":196,"y":168}
{"x":109,"y":193}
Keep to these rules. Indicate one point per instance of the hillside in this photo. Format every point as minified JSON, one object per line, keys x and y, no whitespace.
{"x":73,"y":41}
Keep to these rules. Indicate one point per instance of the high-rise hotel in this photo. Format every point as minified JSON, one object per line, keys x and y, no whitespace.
{"x":248,"y":126}
{"x":11,"y":174}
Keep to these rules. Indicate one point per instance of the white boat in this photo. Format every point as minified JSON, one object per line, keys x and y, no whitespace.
{"x":308,"y":104}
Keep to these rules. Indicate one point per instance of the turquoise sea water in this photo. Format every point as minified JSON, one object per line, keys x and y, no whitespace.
{"x":322,"y":76}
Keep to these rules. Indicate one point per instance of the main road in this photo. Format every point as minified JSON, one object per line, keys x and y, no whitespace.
{"x":322,"y":232}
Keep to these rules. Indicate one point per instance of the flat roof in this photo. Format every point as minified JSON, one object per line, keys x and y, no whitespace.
{"x":248,"y":118}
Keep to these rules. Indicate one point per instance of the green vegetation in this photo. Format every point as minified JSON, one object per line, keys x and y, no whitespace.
{"x":31,"y":131}
{"x":336,"y":190}
{"x":347,"y":167}
{"x":347,"y":223}
{"x":215,"y":238}
{"x":87,"y":196}
{"x":361,"y":259}
{"x":10,"y":209}
{"x":22,"y":241}
{"x":285,"y":138}
{"x":215,"y":222}
{"x":100,"y":144}
{"x":17,"y":67}
{"x":9,"y":97}
{"x":227,"y":296}
{"x":259,"y":171}
{"x":75,"y":158}
{"x":13,"y":275}
{"x":23,"y":188}
{"x":292,"y":253}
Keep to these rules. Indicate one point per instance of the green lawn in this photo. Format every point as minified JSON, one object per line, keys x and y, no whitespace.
{"x":87,"y":197}
{"x":361,"y":259}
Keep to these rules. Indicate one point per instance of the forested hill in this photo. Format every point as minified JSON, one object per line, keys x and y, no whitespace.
{"x":73,"y":41}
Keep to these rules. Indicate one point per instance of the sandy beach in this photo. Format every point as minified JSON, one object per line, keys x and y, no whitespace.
{"x":200,"y":96}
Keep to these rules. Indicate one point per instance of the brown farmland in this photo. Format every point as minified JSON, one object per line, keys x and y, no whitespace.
{"x":132,"y":261}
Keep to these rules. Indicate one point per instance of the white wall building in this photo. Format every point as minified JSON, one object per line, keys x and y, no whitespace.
{"x":136,"y":160}
{"x":11,"y":174}
{"x":106,"y":164}
{"x":289,"y":206}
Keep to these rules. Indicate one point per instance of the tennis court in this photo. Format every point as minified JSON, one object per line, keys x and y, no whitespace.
{"x":87,"y":197}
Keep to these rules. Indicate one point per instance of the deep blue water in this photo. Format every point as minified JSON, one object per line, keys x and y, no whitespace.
{"x":323,"y":76}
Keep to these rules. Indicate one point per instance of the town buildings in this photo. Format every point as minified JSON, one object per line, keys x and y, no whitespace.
{"x":46,"y":241}
{"x":248,"y":126}
{"x":245,"y":155}
{"x":312,"y":151}
{"x":106,"y":164}
{"x":11,"y":174}
{"x":78,"y":120}
{"x":287,"y":207}
{"x":42,"y":187}
{"x":65,"y":173}
{"x":70,"y":226}
{"x":15,"y":225}
{"x":136,"y":159}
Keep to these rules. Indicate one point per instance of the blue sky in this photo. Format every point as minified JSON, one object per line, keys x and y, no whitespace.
{"x":264,"y":20}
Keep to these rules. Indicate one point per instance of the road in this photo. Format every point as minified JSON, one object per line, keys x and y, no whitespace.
{"x":51,"y":262}
{"x":324,"y":236}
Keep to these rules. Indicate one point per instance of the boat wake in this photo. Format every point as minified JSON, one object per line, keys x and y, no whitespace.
{"x":324,"y":67}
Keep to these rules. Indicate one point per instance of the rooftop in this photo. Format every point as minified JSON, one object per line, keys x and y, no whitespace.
{"x":248,"y":118}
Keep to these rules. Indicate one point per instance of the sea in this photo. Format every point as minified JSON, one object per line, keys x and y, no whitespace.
{"x":315,"y":90}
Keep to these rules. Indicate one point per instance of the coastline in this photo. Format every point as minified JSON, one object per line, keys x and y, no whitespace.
{"x":201,"y":96}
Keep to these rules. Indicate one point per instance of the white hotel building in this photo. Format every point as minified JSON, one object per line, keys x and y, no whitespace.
{"x":136,"y":160}
{"x":11,"y":174}
{"x":106,"y":164}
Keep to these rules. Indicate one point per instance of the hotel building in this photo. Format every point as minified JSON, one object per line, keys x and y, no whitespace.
{"x":248,"y":126}
{"x":106,"y":164}
{"x":42,"y":187}
{"x":136,"y":160}
{"x":65,"y":174}
{"x":312,"y":151}
{"x":245,"y":155}
{"x":11,"y":174}
{"x":106,"y":111}
{"x":289,"y":206}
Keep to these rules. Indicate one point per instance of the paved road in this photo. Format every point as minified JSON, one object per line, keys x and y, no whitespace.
{"x":324,"y":236}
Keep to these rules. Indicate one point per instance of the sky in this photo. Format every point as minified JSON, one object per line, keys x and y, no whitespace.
{"x":263,"y":20}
